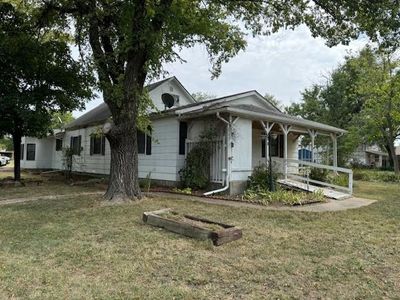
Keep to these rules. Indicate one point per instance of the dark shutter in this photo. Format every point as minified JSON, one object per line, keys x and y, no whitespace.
{"x":141,"y":141}
{"x":148,"y":144}
{"x":79,"y":144}
{"x":103,"y":145}
{"x":71,"y":144}
{"x":182,"y":137}
{"x":91,"y":144}
{"x":22,"y":151}
{"x":263,"y":143}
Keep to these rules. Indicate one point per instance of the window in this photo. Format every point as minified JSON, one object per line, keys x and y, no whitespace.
{"x":30,"y":151}
{"x":22,"y":151}
{"x":75,"y":144}
{"x":276,"y":146}
{"x":144,"y":143}
{"x":59,"y":144}
{"x":97,"y":144}
{"x":182,"y":137}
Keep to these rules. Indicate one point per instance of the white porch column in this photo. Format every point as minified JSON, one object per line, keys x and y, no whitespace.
{"x":267,"y":127}
{"x":313,"y":134}
{"x":285,"y":129}
{"x":335,"y":157}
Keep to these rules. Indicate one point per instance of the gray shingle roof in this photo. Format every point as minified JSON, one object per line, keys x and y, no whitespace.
{"x":101,"y":113}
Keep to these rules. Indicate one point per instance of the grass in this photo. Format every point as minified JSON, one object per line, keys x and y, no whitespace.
{"x":76,"y":248}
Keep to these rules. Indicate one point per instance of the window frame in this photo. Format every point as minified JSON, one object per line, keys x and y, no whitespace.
{"x":144,"y":142}
{"x":59,"y":147}
{"x":183,"y":133}
{"x":101,"y":140}
{"x":77,"y":138}
{"x":28,"y":152}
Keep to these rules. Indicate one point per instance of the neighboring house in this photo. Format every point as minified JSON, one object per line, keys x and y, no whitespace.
{"x":371,"y":156}
{"x":241,"y":123}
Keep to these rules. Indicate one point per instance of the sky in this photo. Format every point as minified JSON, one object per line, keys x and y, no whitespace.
{"x":282,"y":64}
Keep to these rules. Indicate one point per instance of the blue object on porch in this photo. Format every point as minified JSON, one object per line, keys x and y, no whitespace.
{"x":304,"y":154}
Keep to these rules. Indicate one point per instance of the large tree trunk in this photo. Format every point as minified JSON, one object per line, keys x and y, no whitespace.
{"x":391,"y":161}
{"x":392,"y":154}
{"x":17,"y":156}
{"x":124,"y":180}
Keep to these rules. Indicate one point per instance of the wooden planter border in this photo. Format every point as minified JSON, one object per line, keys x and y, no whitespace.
{"x":228,"y":234}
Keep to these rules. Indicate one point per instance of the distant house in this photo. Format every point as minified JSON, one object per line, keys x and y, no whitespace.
{"x":371,"y":156}
{"x":242,"y":123}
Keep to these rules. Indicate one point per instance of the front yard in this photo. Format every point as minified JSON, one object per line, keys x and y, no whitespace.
{"x":76,"y":248}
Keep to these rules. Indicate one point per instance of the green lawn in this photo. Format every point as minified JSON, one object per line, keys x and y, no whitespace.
{"x":76,"y":248}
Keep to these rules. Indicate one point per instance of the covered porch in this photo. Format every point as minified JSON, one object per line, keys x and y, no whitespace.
{"x":249,"y":136}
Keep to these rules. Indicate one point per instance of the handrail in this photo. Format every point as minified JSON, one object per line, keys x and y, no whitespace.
{"x":301,"y":165}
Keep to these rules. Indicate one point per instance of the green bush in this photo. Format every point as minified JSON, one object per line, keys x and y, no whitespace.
{"x":375,"y":175}
{"x":319,"y":174}
{"x":338,"y":179}
{"x":260,"y":178}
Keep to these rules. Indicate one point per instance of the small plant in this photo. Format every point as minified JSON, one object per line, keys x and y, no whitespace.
{"x":260,"y":178}
{"x":265,"y":197}
{"x":148,"y":182}
{"x":319,"y":174}
{"x":187,"y":191}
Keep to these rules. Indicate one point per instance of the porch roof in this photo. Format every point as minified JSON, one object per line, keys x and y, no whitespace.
{"x":253,"y":112}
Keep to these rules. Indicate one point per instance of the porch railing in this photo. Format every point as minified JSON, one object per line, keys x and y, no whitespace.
{"x":217,"y":158}
{"x":300,"y":170}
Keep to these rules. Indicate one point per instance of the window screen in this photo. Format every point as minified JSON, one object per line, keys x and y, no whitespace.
{"x":30,"y":151}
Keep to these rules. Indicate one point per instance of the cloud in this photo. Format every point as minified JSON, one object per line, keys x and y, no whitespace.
{"x":283,"y":64}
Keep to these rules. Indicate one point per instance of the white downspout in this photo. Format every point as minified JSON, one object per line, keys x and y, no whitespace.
{"x":228,"y":156}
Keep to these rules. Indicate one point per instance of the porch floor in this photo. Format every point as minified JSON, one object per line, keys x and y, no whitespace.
{"x":329,"y":193}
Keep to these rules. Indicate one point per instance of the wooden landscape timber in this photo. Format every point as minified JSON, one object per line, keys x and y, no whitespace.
{"x":191,"y":226}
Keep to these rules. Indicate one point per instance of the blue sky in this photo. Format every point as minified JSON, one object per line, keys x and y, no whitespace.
{"x":283,"y":64}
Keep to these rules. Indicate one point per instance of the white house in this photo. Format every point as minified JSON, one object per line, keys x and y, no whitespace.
{"x":242,"y":122}
{"x":370,"y":155}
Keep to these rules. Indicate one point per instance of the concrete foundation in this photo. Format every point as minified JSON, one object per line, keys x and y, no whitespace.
{"x":237,"y":187}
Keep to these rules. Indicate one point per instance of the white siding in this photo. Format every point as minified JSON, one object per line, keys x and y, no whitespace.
{"x":43,"y":153}
{"x":170,"y":87}
{"x":242,"y":149}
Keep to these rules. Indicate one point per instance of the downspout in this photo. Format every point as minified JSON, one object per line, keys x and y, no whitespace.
{"x":228,"y":157}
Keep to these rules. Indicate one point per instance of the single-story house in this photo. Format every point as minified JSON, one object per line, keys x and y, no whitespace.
{"x":242,"y":122}
{"x":371,"y":156}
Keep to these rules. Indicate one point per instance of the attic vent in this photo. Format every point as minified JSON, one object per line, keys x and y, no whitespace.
{"x":169,"y":100}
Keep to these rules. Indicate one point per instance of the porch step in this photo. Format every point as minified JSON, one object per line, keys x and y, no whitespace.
{"x":329,"y":193}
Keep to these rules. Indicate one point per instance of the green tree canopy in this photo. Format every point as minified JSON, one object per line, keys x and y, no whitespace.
{"x":130,"y":41}
{"x":337,"y":102}
{"x":38,"y":77}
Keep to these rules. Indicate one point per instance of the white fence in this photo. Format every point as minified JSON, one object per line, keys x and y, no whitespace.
{"x":217,"y":159}
{"x":300,"y":170}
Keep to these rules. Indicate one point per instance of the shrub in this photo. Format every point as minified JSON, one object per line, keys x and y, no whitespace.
{"x":375,"y":175}
{"x":196,"y":173}
{"x":260,"y":178}
{"x":319,"y":174}
{"x":338,"y":179}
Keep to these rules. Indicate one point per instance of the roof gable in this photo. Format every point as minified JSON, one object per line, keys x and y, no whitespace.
{"x":101,"y":113}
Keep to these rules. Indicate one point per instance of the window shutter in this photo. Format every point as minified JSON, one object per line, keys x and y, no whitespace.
{"x":263,"y":144}
{"x":103,"y":145}
{"x":148,"y":144}
{"x":71,"y":144}
{"x":79,"y":144}
{"x":141,"y":141}
{"x":281,"y":142}
{"x":91,"y":144}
